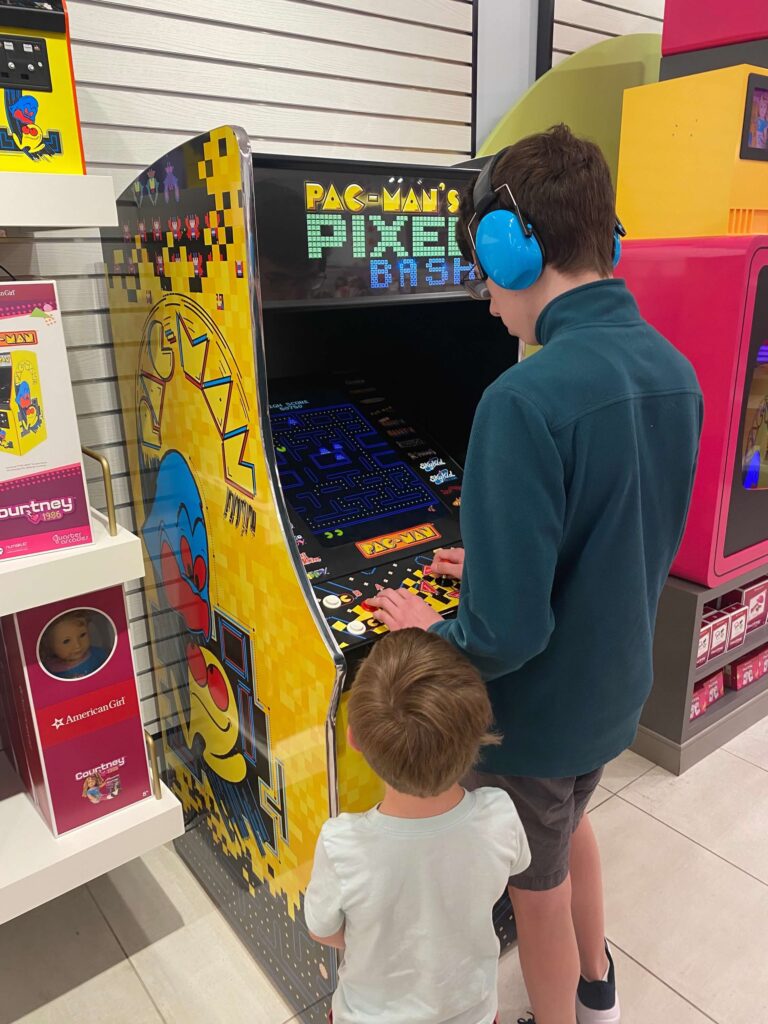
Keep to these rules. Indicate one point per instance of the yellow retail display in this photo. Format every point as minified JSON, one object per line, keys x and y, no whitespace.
{"x":690,"y":162}
{"x":22,"y":425}
{"x":39,"y":123}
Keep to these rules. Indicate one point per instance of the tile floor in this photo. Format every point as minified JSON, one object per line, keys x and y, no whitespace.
{"x":686,"y":866}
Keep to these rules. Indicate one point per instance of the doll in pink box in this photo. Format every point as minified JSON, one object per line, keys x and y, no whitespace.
{"x":66,"y":648}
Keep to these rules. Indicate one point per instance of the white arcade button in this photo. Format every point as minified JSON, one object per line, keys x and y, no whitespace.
{"x":357,"y":628}
{"x":331,"y":601}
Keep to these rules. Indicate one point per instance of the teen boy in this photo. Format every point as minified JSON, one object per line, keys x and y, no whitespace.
{"x":577,"y":483}
{"x":407,"y":890}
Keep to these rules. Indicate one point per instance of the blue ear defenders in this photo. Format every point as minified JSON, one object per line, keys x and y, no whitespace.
{"x":507,"y":248}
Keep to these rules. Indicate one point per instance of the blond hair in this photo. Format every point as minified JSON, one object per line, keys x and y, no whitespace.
{"x":419,"y":712}
{"x":75,"y":615}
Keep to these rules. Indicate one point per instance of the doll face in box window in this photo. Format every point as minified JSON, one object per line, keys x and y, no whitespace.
{"x":69,"y":639}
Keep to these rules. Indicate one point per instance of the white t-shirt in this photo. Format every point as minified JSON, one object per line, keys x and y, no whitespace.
{"x":415,"y":896}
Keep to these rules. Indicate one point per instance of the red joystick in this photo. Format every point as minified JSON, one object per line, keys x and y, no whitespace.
{"x":367,"y":607}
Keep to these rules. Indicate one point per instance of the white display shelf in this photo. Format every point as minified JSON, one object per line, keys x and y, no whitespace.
{"x":32,"y":580}
{"x":36,"y":867}
{"x":56,"y":200}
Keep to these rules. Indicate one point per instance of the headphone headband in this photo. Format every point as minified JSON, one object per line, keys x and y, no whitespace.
{"x":483,"y":194}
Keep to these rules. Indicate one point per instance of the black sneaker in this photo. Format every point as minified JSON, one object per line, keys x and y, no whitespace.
{"x":530,"y":1019}
{"x":597,"y":1001}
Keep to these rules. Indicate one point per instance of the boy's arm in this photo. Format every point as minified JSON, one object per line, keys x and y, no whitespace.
{"x":512,"y":514}
{"x":336,"y":940}
{"x":322,"y":903}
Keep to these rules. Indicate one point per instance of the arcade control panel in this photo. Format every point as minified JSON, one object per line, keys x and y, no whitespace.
{"x":344,"y":601}
{"x":370,"y":499}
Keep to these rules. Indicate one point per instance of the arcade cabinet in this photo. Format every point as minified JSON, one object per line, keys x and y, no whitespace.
{"x":703,"y":36}
{"x":22,"y":425}
{"x":299,"y":367}
{"x":693,"y":192}
{"x":39,"y":123}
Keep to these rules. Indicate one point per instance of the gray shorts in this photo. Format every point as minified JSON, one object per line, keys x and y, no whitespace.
{"x":550,"y":810}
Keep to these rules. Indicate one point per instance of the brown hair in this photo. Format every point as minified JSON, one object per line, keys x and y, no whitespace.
{"x":563,"y":187}
{"x":419,"y":712}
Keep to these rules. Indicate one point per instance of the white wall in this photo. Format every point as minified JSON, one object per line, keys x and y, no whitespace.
{"x":346,"y":78}
{"x":581,"y":23}
{"x":506,"y":58}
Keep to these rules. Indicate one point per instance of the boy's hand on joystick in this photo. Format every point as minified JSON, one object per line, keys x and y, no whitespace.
{"x":400,"y":609}
{"x":448,"y":562}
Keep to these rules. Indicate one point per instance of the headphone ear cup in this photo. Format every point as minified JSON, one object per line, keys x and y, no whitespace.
{"x":509,"y":257}
{"x":616,"y":248}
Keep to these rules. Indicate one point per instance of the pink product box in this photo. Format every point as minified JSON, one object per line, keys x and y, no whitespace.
{"x":715,"y":687}
{"x":737,"y":629}
{"x":747,"y":670}
{"x":720,"y":624}
{"x":705,"y":639}
{"x":71,"y":709}
{"x":43,"y":498}
{"x":698,"y":702}
{"x":755,"y":598}
{"x":706,"y":694}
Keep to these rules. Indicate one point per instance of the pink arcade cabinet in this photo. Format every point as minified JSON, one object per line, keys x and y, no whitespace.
{"x":693,"y":193}
{"x":709,"y":296}
{"x":692,"y":25}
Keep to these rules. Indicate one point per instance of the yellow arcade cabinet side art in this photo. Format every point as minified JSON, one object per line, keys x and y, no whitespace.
{"x":22,"y":423}
{"x":244,"y":675}
{"x":39,"y":122}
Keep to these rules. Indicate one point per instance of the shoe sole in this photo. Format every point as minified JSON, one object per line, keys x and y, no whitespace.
{"x":586,"y":1016}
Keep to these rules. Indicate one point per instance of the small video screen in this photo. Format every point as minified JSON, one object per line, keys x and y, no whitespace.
{"x":757,"y":135}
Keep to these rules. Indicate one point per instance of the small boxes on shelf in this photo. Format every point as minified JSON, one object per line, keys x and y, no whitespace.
{"x":737,"y":628}
{"x":707,"y":693}
{"x":720,"y":624}
{"x":754,"y":596}
{"x":722,"y":629}
{"x":71,"y":708}
{"x":43,"y":501}
{"x":747,"y":670}
{"x":698,"y":702}
{"x":705,"y":639}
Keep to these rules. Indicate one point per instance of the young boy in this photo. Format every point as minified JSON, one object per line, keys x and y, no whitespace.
{"x":407,"y":890}
{"x":576,"y":489}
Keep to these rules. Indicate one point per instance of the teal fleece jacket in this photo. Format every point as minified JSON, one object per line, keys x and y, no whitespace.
{"x":576,"y":489}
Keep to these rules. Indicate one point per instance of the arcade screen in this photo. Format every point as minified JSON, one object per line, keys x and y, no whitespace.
{"x":348,"y":232}
{"x":755,"y":437}
{"x":6,"y":373}
{"x":340,"y":474}
{"x":748,"y":510}
{"x":755,"y":139}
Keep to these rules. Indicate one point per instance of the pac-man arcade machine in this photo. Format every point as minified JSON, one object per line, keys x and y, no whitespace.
{"x":693,"y":191}
{"x":298,"y":371}
{"x":39,"y":123}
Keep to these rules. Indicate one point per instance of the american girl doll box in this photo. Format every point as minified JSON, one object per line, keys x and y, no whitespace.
{"x":43,"y":498}
{"x":72,"y":708}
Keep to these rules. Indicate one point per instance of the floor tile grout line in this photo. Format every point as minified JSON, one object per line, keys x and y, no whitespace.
{"x":125,"y":953}
{"x":671,"y":988}
{"x":640,"y":776}
{"x":746,"y":760}
{"x":695,"y":842}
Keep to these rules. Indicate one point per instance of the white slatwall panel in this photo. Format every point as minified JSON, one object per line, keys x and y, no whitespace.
{"x":582,"y":23}
{"x":340,"y":78}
